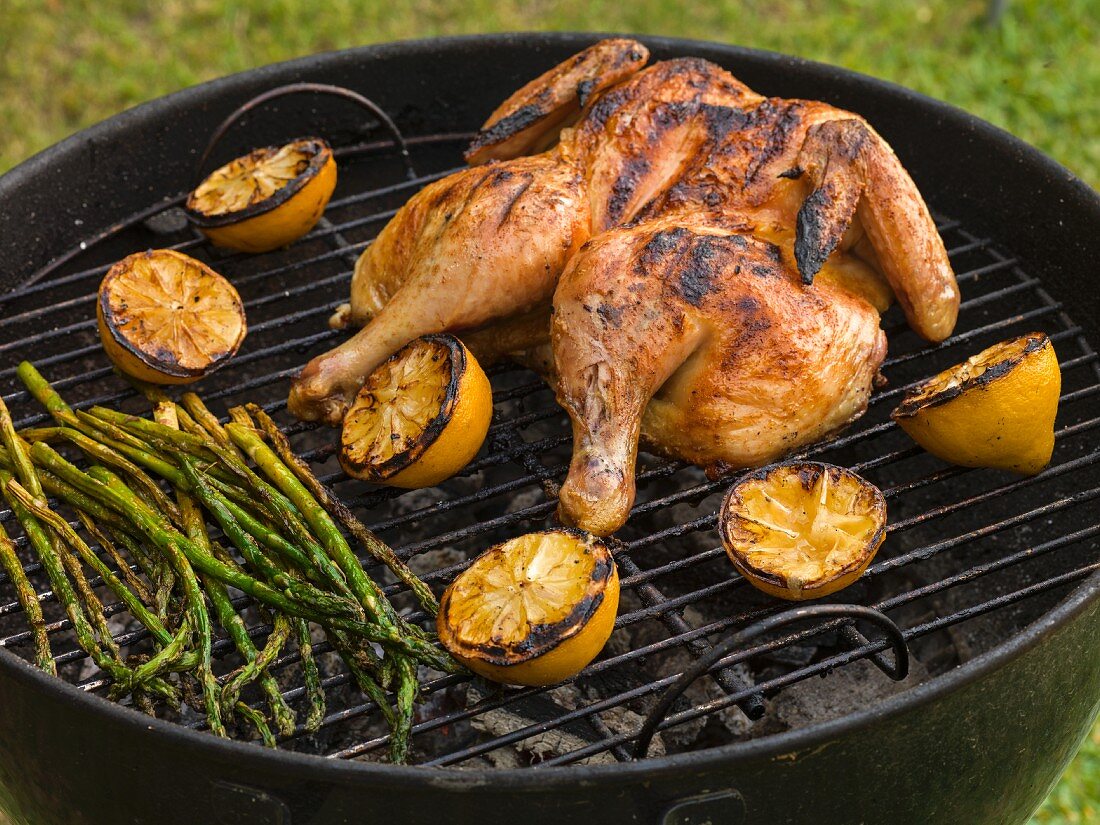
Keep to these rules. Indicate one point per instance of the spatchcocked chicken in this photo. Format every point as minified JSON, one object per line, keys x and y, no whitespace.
{"x":691,"y":265}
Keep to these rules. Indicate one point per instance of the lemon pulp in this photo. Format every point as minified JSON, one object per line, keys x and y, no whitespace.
{"x":251,"y":179}
{"x":803,"y":529}
{"x":534,"y":610}
{"x":405,"y":396}
{"x":266,"y":199}
{"x":536,"y":581}
{"x":420,"y":417}
{"x":167,"y":317}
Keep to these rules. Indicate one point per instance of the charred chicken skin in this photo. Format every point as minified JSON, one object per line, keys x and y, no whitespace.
{"x":702,"y":342}
{"x":714,"y":263}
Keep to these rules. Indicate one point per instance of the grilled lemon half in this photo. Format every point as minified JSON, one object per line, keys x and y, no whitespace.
{"x":996,"y":409}
{"x":166,"y":318}
{"x":266,"y":199}
{"x":420,"y":417}
{"x":802,"y":530}
{"x":533,"y":610}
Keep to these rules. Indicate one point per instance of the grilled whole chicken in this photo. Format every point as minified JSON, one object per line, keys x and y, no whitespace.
{"x":715,"y":261}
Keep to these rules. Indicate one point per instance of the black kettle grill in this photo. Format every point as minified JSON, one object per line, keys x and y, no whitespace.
{"x":991,"y":580}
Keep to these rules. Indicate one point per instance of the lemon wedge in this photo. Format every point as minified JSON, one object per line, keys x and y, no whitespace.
{"x":996,"y":409}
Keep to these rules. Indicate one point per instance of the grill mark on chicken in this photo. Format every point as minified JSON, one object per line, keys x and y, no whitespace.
{"x":481,"y":181}
{"x":661,"y":244}
{"x":704,"y":261}
{"x":721,"y":120}
{"x":622,"y":190}
{"x":507,"y":211}
{"x":508,"y":126}
{"x":812,"y":244}
{"x":610,"y":314}
{"x":781,"y":118}
{"x":748,"y":304}
{"x":603,"y":108}
{"x":829,"y":209}
{"x":696,"y":260}
{"x":638,"y":170}
{"x":584,"y":89}
{"x":642,"y":88}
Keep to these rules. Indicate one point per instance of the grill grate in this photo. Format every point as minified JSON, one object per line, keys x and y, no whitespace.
{"x":971,"y":556}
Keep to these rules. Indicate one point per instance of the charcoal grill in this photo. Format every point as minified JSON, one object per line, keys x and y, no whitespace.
{"x":992,"y":579}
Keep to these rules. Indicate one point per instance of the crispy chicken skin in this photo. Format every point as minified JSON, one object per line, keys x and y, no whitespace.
{"x":720,"y":259}
{"x":484,"y":244}
{"x":703,"y":343}
{"x":642,"y":136}
{"x":529,"y":120}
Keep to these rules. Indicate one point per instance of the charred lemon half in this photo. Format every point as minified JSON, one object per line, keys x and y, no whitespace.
{"x":420,"y":417}
{"x":534,"y":610}
{"x":266,"y":199}
{"x":168,"y":319}
{"x":996,"y":409}
{"x":802,"y":530}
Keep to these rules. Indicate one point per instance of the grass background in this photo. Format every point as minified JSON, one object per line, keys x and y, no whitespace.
{"x":65,"y":64}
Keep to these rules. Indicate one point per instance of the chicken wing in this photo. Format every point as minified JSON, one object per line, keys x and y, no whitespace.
{"x":530,"y":120}
{"x":859,"y":182}
{"x":822,"y":184}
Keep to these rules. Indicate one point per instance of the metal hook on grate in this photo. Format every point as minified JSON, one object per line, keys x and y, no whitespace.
{"x":309,"y":88}
{"x":814,"y":611}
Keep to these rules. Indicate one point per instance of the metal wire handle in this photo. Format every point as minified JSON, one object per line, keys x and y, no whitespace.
{"x":309,"y":88}
{"x":723,"y":648}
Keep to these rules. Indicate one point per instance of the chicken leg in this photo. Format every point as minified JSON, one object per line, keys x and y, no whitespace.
{"x":480,"y":245}
{"x":702,"y":343}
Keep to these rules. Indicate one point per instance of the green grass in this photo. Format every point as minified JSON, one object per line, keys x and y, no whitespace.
{"x":1076,"y":799}
{"x":65,"y":64}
